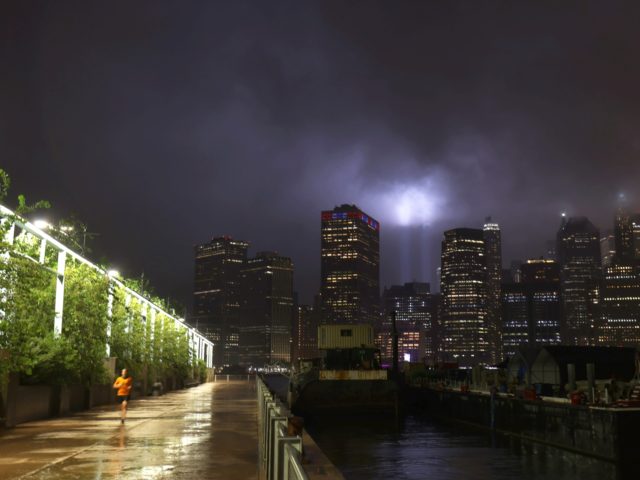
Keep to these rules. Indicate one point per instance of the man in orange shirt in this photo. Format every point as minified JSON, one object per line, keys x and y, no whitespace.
{"x":124,"y":384}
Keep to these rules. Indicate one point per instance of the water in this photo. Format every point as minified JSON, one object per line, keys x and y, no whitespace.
{"x":422,"y":448}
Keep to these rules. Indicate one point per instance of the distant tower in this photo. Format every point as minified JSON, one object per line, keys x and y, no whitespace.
{"x":607,"y":248}
{"x":217,"y":295}
{"x":465,"y":336}
{"x":413,"y":305}
{"x":493,"y":259}
{"x":580,"y":272}
{"x":350,"y":266}
{"x":623,"y":233}
{"x":304,"y":337}
{"x":532,"y":310}
{"x":267,"y":310}
{"x":620,"y":323}
{"x":636,"y":236}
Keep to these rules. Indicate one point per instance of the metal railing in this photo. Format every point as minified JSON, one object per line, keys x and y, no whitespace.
{"x":223,"y":377}
{"x":280,"y":453}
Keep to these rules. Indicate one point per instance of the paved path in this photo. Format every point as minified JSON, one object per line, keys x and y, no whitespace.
{"x":208,"y":431}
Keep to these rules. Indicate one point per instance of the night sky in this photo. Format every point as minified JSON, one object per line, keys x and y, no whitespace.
{"x":162,"y":124}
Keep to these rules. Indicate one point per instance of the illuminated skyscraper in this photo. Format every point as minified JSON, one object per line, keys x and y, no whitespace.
{"x":413,"y":305}
{"x":217,"y":295}
{"x":350,"y":266}
{"x":267,"y":310}
{"x":620,"y":322}
{"x":464,"y":298}
{"x":493,"y":260}
{"x":306,"y":319}
{"x":532,"y":310}
{"x":580,"y":274}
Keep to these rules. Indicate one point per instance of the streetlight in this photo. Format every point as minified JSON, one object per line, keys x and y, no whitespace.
{"x":113,"y":273}
{"x":42,"y":224}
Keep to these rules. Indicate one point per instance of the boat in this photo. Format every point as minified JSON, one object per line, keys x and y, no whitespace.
{"x":347,"y":379}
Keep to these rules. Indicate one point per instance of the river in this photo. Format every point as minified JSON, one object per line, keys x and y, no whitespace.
{"x":423,"y":448}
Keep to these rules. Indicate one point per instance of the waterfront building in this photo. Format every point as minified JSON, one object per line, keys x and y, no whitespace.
{"x":413,"y":305}
{"x":532,"y":309}
{"x":580,"y":274}
{"x":620,"y":321}
{"x":217,"y":295}
{"x":267,"y":310}
{"x":493,"y":261}
{"x":463,"y":296}
{"x":350,"y":266}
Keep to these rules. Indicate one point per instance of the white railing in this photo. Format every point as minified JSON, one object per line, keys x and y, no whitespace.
{"x":280,"y":453}
{"x":202,"y":348}
{"x":223,"y":377}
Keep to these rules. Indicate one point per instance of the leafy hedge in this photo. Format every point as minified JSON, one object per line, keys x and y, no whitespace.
{"x":147,"y":344}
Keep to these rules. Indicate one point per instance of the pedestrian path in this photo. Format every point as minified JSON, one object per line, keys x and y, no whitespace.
{"x":209,"y":431}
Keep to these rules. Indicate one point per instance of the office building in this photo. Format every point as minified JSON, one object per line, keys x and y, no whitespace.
{"x":267,"y":310}
{"x":580,"y":274}
{"x":532,"y":309}
{"x":217,"y":295}
{"x":463,"y":297}
{"x":304,"y":336}
{"x":620,"y":322}
{"x":350,"y":266}
{"x":413,"y":305}
{"x":493,"y":261}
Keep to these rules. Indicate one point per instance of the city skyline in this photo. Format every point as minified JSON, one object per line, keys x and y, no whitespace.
{"x":205,"y":119}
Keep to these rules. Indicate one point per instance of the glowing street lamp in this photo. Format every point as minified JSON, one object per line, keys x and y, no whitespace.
{"x":42,"y":224}
{"x":113,"y":273}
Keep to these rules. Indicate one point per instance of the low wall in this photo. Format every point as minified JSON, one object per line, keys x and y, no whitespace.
{"x":33,"y":403}
{"x":608,"y":434}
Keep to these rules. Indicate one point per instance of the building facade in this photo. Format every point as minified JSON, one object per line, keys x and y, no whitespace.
{"x":350,"y":266}
{"x":304,"y":337}
{"x":465,"y":337}
{"x":267,"y":310}
{"x":493,"y":260}
{"x":217,"y":295}
{"x":415,"y":323}
{"x":532,"y":309}
{"x":580,"y":274}
{"x":620,"y":321}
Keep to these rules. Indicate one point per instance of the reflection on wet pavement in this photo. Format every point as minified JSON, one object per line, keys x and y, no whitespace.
{"x":206,"y":432}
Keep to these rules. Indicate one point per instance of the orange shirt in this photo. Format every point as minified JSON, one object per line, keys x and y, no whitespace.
{"x":123,"y":385}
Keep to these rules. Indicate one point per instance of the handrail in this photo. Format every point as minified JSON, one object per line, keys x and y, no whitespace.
{"x":280,"y":453}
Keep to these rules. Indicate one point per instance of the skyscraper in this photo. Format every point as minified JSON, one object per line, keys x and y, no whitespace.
{"x":413,"y":305}
{"x":267,"y":310}
{"x":580,"y":273}
{"x":623,"y":233}
{"x":463,"y":296}
{"x":493,"y":260}
{"x":635,"y":224}
{"x":217,"y":295}
{"x":304,"y":336}
{"x":607,"y":248}
{"x":620,"y":322}
{"x":532,"y":310}
{"x":350,"y":266}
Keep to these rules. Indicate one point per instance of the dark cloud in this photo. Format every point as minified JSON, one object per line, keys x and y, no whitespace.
{"x":162,"y":123}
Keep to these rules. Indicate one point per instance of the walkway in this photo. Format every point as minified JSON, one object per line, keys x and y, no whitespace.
{"x":208,"y":431}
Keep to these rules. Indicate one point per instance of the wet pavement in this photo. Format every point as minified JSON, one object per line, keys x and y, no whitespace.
{"x":209,"y":431}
